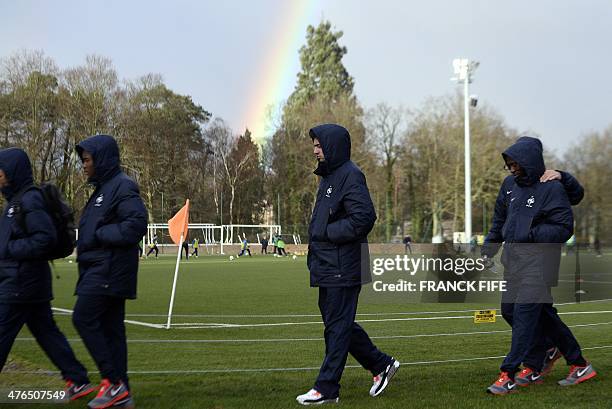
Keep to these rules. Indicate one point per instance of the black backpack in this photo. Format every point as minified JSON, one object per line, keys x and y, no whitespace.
{"x":62,"y":216}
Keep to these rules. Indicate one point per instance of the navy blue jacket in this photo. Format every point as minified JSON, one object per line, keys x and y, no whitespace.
{"x":111,"y":226}
{"x":343,"y":215}
{"x":25,"y":275}
{"x":527,"y":211}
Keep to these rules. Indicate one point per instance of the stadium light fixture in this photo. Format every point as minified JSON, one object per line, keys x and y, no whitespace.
{"x":464,"y":70}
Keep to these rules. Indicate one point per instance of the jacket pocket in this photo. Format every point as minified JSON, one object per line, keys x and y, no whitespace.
{"x":94,"y":268}
{"x":9,"y":276}
{"x":323,"y":257}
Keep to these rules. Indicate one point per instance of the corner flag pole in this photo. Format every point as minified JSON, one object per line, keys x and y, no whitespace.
{"x":178,"y":260}
{"x":177,"y":227}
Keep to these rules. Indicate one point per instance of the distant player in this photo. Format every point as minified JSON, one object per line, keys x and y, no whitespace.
{"x":264,"y":245}
{"x":185,"y":248}
{"x":280,"y":245}
{"x":153,"y":246}
{"x":407,"y":241}
{"x":244,"y":248}
{"x":196,"y":246}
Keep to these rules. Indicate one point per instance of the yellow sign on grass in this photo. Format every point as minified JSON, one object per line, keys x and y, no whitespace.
{"x":484,"y":316}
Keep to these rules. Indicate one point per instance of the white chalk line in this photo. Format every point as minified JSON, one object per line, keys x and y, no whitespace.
{"x":144,"y":324}
{"x":294,"y":369}
{"x":587,"y":282}
{"x":264,"y":340}
{"x":375,"y":314}
{"x":198,"y":325}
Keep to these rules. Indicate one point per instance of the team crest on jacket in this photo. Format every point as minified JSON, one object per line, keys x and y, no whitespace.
{"x":328,"y":192}
{"x":99,"y":200}
{"x":11,"y":212}
{"x":530,"y":201}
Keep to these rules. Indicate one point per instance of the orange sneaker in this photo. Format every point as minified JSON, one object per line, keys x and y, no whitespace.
{"x":528,"y":377}
{"x":503,"y":385}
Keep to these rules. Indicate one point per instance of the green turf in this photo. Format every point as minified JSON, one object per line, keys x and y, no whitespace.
{"x":250,"y":289}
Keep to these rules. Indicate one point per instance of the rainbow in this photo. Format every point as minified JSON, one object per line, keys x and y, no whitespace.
{"x":277,"y":74}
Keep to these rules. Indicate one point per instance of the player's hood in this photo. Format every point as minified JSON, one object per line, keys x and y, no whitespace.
{"x":15,"y":164}
{"x":336,"y":145}
{"x":105,"y":153}
{"x":527,"y":152}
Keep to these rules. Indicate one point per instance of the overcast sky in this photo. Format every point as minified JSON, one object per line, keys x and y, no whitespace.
{"x":545,"y":65}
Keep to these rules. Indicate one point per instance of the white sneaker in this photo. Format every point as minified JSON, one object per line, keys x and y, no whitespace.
{"x":314,"y":397}
{"x":382,"y":379}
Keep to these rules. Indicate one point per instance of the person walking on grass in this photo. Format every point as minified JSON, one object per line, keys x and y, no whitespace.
{"x":112,"y":223}
{"x":533,"y":220}
{"x":27,"y":234}
{"x":338,"y":254}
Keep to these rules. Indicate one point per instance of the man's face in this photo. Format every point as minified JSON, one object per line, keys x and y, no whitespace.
{"x":318,"y":151}
{"x":3,"y":179}
{"x":514,"y":168}
{"x":88,"y":164}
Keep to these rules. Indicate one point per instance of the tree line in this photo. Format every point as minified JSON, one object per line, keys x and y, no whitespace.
{"x":176,"y":149}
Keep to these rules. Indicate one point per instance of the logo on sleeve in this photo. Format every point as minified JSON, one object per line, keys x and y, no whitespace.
{"x":99,"y":200}
{"x":530,"y":201}
{"x":11,"y":212}
{"x":328,"y":192}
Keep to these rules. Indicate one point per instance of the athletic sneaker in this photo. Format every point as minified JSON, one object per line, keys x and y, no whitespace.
{"x":109,"y":394}
{"x":382,"y":379}
{"x":314,"y":397}
{"x":552,"y":355}
{"x":528,"y":377}
{"x":578,"y":374}
{"x":126,"y":403}
{"x":503,"y":385}
{"x":75,"y":391}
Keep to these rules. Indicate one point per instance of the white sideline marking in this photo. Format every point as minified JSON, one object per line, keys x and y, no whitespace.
{"x":144,"y":324}
{"x":213,"y":341}
{"x":587,"y":282}
{"x":199,"y":325}
{"x":196,"y":325}
{"x":318,"y":315}
{"x":310,"y":368}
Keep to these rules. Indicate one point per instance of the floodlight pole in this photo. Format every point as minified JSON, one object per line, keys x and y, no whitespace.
{"x":468,"y":162}
{"x":464,"y":69}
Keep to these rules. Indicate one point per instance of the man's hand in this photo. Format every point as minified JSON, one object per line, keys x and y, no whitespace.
{"x":550,"y":175}
{"x":488,"y":263}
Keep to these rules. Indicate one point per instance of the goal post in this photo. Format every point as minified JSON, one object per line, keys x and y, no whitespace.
{"x":212,"y":238}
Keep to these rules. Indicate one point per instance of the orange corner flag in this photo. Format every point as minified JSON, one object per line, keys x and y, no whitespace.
{"x":179,"y":223}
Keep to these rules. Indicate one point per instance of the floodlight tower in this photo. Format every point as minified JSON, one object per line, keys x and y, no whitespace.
{"x":464,"y":69}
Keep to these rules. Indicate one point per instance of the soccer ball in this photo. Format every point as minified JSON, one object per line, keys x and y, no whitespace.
{"x":294,"y":257}
{"x":231,"y":258}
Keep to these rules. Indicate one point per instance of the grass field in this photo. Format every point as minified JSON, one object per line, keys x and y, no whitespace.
{"x":248,"y":335}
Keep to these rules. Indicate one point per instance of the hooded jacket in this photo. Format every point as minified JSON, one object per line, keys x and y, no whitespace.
{"x":527,"y":211}
{"x":26,"y":233}
{"x":112,"y":223}
{"x":342,"y":217}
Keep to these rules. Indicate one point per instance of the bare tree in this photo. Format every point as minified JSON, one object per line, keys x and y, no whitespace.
{"x":385,"y":126}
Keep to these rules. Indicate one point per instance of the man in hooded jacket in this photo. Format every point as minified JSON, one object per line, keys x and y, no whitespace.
{"x":338,"y":260}
{"x":532,"y":219}
{"x":27,"y":234}
{"x":544,"y":353}
{"x":111,"y":226}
